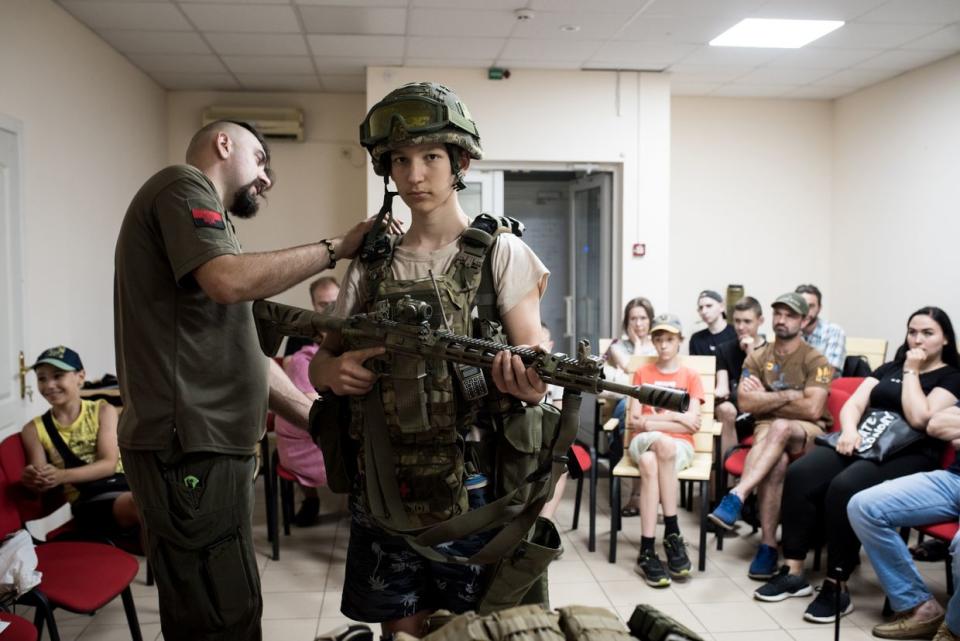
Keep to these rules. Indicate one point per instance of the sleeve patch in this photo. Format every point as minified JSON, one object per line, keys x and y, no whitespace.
{"x":207,"y":218}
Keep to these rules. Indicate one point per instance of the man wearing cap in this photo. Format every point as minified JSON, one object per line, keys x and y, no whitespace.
{"x":193,"y":379}
{"x":829,"y":338}
{"x":784,"y":386}
{"x":717,"y":330}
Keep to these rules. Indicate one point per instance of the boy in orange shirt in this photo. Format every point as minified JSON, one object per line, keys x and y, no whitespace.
{"x":660,"y":442}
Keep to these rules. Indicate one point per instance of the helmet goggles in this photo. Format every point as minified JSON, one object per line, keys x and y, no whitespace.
{"x":420,"y":114}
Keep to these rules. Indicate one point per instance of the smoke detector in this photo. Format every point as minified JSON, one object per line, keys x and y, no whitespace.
{"x":524,"y":14}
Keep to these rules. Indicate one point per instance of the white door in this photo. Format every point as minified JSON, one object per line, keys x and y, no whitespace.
{"x":484,"y":193}
{"x":13,"y":407}
{"x":588,"y":301}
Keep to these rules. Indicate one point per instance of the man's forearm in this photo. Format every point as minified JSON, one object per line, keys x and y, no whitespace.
{"x":286,"y":400}
{"x":261,"y":275}
{"x":764,"y":402}
{"x":801,"y":409}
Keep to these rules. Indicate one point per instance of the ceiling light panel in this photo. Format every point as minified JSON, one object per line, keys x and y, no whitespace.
{"x":775,"y":33}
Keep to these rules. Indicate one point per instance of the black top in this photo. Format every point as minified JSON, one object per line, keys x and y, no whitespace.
{"x":886,"y":395}
{"x":730,"y":358}
{"x":703,"y":343}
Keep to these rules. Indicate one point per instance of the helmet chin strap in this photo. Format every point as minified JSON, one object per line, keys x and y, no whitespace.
{"x":379,"y":229}
{"x":454,"y":152}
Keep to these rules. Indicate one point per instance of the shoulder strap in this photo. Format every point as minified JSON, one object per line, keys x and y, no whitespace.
{"x":482,"y":228}
{"x":378,"y":267}
{"x":69,"y":458}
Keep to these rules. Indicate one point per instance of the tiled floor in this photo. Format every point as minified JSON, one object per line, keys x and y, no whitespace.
{"x":301,"y":591}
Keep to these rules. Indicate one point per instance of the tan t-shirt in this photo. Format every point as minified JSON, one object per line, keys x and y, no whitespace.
{"x":516,"y":270}
{"x":805,"y":367}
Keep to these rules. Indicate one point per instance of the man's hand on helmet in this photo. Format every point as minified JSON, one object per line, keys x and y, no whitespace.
{"x":349,"y":244}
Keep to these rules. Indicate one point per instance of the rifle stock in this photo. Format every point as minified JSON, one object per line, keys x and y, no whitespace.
{"x":582,"y":374}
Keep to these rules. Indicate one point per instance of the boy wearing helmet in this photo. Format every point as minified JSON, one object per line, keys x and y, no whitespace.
{"x":422,"y":137}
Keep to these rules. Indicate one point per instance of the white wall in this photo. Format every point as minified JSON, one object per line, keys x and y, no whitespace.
{"x":94,"y":128}
{"x":896,"y":198}
{"x":563,"y":117}
{"x":751,"y":200}
{"x":319,"y":190}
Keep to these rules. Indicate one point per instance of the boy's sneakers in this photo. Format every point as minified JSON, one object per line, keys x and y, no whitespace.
{"x":677,"y":560}
{"x":823,"y":609}
{"x":783,"y":586}
{"x":728,"y":512}
{"x":764,"y":564}
{"x":651,"y":569}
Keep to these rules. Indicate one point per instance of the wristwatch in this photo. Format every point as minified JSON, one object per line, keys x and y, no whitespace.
{"x":329,"y":245}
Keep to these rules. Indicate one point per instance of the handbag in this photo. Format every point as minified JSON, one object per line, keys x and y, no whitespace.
{"x":105,"y":488}
{"x":883,"y":433}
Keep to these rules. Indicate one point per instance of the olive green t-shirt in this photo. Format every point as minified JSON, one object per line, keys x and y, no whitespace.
{"x":804,"y":367}
{"x":189,"y":368}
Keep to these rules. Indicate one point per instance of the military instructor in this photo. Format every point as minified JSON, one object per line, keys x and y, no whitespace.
{"x":194,"y":382}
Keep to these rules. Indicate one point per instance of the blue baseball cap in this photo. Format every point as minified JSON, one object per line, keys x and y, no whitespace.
{"x":60,"y":357}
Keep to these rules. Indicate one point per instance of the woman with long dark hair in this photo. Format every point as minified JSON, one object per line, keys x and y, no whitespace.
{"x":922,"y":379}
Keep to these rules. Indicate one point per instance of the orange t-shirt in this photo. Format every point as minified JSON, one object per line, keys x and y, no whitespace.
{"x":684,"y":378}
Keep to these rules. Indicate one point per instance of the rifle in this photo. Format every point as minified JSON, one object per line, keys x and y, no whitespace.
{"x":413,"y":336}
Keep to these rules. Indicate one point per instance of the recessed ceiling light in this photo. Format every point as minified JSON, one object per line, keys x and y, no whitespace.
{"x":570,"y":28}
{"x":775,"y":34}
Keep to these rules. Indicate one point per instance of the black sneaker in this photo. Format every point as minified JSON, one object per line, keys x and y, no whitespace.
{"x":782,"y":586}
{"x":677,"y":560}
{"x":823,"y":609}
{"x":651,"y":569}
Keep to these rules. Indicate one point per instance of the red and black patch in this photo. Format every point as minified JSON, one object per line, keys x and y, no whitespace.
{"x":207,"y":218}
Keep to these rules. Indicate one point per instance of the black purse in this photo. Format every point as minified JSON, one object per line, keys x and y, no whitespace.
{"x":108,"y":487}
{"x":883,"y":433}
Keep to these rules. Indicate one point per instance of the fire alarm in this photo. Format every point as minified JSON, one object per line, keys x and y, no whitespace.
{"x":639,"y":250}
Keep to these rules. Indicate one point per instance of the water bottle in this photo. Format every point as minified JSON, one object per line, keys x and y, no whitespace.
{"x":476,"y":485}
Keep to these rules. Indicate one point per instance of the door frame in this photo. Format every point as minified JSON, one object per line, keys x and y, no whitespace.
{"x":592,"y":180}
{"x":17,"y":233}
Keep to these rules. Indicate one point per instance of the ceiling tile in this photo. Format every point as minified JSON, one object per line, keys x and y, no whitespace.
{"x":946,"y":39}
{"x":901,"y":60}
{"x":699,"y":8}
{"x":243,"y":18}
{"x":602,"y":6}
{"x":708,"y":74}
{"x":269,"y":64}
{"x":508,"y":63}
{"x":337,"y":65}
{"x":346,"y":20}
{"x":653,"y":56}
{"x":353,"y":3}
{"x":823,"y":58}
{"x":855,"y":78}
{"x":145,"y":16}
{"x":916,"y":12}
{"x":234,"y":1}
{"x":279,"y":82}
{"x":356,"y":46}
{"x":816,"y":9}
{"x":819,"y":93}
{"x":692,"y":88}
{"x":752,"y":91}
{"x":590,"y":25}
{"x":862,"y":35}
{"x":258,"y":44}
{"x":470,"y":4}
{"x":156,"y":41}
{"x":198,"y":81}
{"x":449,"y":62}
{"x":429,"y":22}
{"x":695,"y":30}
{"x":459,"y":48}
{"x":177,"y":63}
{"x":344,"y":83}
{"x":783,"y":76}
{"x":563,"y":50}
{"x":732,"y":56}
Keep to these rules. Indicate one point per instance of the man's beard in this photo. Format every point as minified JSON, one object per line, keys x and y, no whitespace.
{"x":245,"y":201}
{"x":784,"y":333}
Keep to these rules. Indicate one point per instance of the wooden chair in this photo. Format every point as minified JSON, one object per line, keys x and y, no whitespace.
{"x":873,"y":349}
{"x":704,"y":460}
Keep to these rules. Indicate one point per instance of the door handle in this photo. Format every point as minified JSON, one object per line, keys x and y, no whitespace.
{"x":25,"y":390}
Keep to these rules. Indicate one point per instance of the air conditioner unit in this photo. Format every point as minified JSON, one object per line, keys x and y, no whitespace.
{"x":276,"y":123}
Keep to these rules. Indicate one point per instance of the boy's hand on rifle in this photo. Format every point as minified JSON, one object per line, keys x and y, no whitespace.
{"x":512,"y":377}
{"x":347,"y":376}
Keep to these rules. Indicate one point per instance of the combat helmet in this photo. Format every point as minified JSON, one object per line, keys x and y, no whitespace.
{"x":418,"y":113}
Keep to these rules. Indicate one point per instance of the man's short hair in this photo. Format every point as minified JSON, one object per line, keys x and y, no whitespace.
{"x":749,"y":304}
{"x":810,"y":289}
{"x":323,"y":281}
{"x":206,"y":130}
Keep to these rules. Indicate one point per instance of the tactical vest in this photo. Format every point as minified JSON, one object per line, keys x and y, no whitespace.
{"x":424,"y":410}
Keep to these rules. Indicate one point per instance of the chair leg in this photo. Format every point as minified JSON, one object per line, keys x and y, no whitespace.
{"x":704,"y":508}
{"x":131,"y":611}
{"x":43,"y":613}
{"x":817,"y":554}
{"x":269,"y":478}
{"x":614,"y":516}
{"x":576,"y":503}
{"x":948,"y":563}
{"x":150,"y":580}
{"x":592,"y":533}
{"x":273,"y":509}
{"x":286,"y":504}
